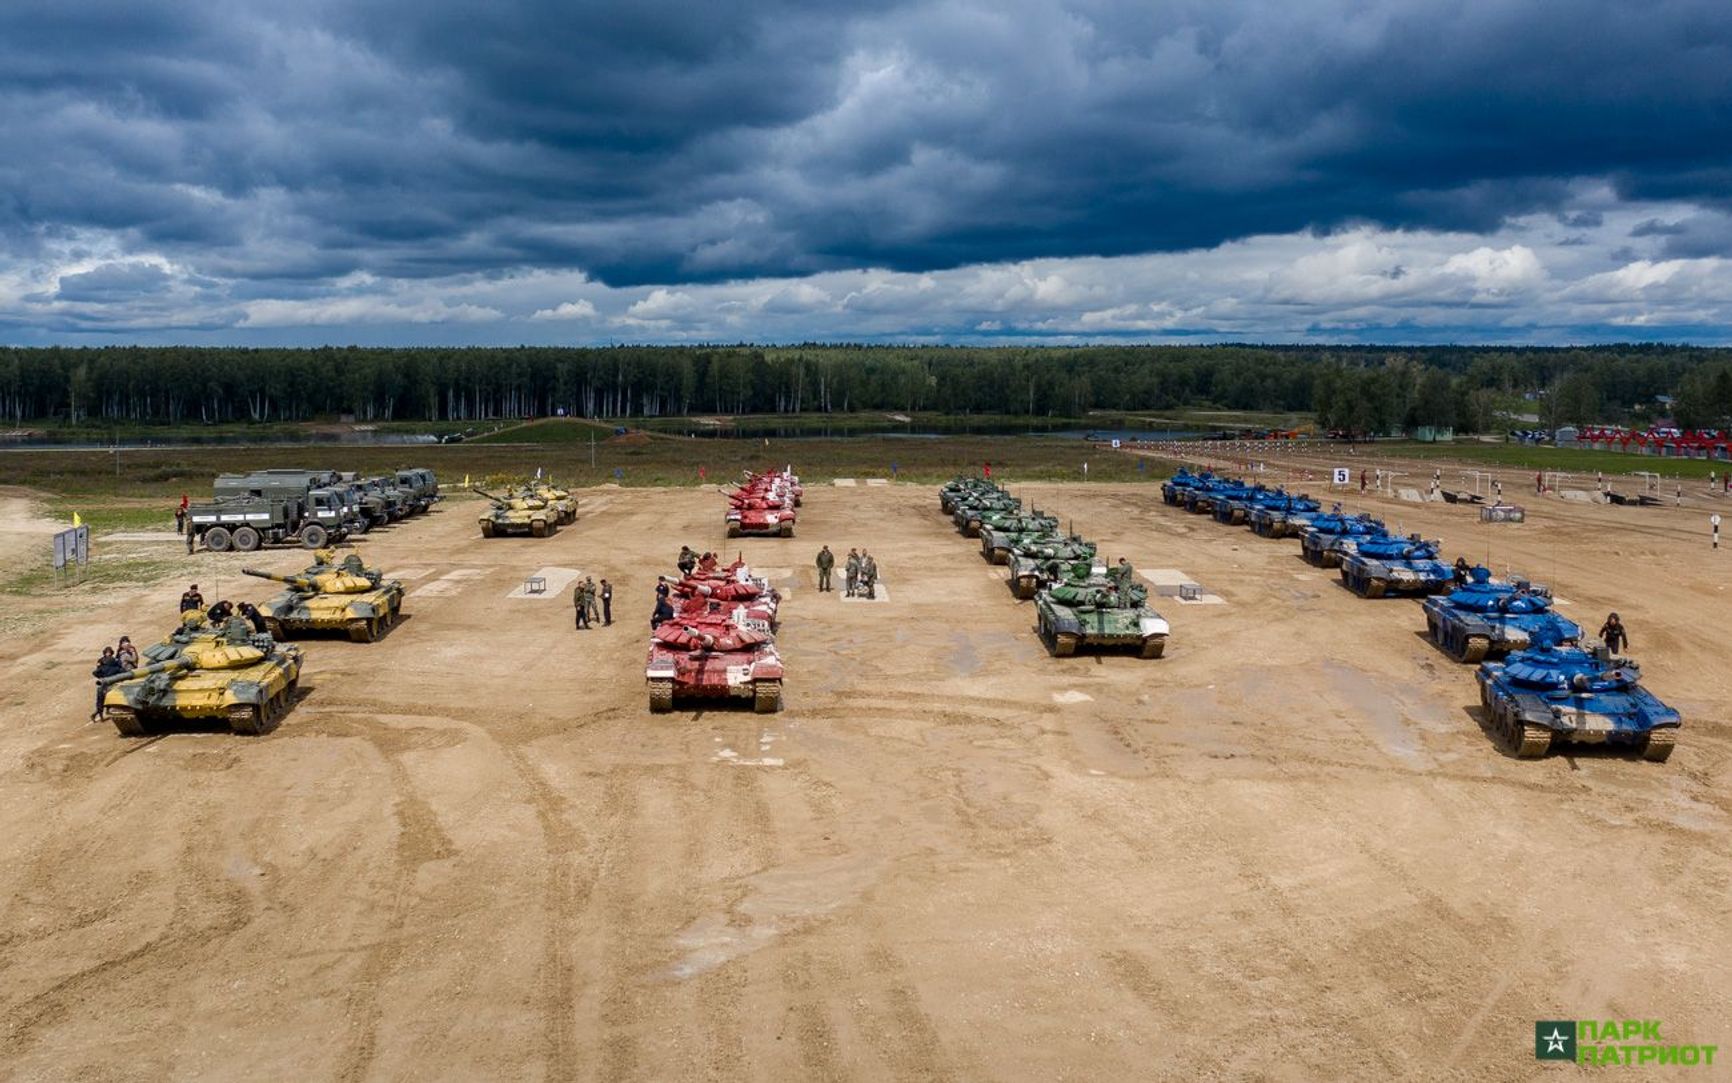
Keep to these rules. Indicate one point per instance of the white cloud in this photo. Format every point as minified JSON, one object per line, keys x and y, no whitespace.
{"x":580,"y":309}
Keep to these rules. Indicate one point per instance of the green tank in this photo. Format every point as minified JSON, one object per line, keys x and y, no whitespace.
{"x":1036,"y":561}
{"x":332,"y":597}
{"x":1000,"y":531}
{"x":227,"y":673}
{"x":1093,"y":611}
{"x":517,"y":515}
{"x":971,"y":511}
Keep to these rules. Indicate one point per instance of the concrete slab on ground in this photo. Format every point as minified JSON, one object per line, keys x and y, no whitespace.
{"x":556,"y":582}
{"x":844,"y":483}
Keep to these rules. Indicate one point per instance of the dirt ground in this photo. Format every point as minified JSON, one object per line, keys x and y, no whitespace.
{"x":1287,"y":850}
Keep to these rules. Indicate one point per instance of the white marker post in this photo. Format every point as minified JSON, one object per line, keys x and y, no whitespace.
{"x":1714,"y":521}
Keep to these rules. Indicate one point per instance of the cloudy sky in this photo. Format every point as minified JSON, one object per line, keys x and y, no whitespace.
{"x":552,"y":171}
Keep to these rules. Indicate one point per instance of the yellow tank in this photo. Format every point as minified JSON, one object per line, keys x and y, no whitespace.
{"x":332,"y":597}
{"x":517,"y":515}
{"x":560,"y":500}
{"x":207,"y":673}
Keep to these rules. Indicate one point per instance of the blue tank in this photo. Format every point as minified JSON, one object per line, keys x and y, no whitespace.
{"x":1388,"y":565}
{"x":1204,"y":499}
{"x":1173,"y":490}
{"x":1285,"y":514}
{"x":1554,"y":693}
{"x":1235,"y":509}
{"x":1332,"y":536}
{"x":1482,"y":619}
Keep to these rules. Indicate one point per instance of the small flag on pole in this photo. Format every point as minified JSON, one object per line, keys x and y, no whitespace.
{"x":466,"y":481}
{"x":76,"y":521}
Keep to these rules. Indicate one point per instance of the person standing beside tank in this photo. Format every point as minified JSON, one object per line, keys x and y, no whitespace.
{"x":826,"y":564}
{"x":1614,"y":635}
{"x":606,"y":603}
{"x":107,"y":666}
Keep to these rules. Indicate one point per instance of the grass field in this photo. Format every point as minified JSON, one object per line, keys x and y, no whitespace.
{"x":79,"y":476}
{"x":1569,"y":460}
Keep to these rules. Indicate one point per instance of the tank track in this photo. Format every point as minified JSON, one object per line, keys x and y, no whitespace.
{"x":786,"y":530}
{"x":733,"y":530}
{"x":1525,"y":740}
{"x":540,"y":528}
{"x":1024,"y":586}
{"x":1154,"y":647}
{"x":362,"y":630}
{"x":126,"y":720}
{"x":1658,"y":747}
{"x":1474,"y":649}
{"x":661,"y":694}
{"x":487,"y":530}
{"x":1064,"y":644}
{"x":766,"y":696}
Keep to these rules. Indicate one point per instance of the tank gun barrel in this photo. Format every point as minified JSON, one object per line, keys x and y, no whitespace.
{"x":173,"y":665}
{"x":488,"y":495}
{"x":299,"y":582}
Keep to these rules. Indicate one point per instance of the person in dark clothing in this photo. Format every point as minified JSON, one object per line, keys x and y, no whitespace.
{"x":1461,"y":570}
{"x":253,"y":617}
{"x":662,"y":588}
{"x":107,"y":666}
{"x":664,"y":612}
{"x":1613,"y":634}
{"x":580,"y":599}
{"x":179,"y":519}
{"x":688,"y":560}
{"x":192,"y":599}
{"x":826,"y":563}
{"x":220,"y":612}
{"x":606,"y":603}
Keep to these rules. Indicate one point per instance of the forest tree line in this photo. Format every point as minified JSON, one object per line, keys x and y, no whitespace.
{"x":1366,"y":389}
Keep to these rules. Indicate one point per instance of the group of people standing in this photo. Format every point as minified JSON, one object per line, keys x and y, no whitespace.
{"x":859,"y":572}
{"x":594,"y":602}
{"x":192,"y":602}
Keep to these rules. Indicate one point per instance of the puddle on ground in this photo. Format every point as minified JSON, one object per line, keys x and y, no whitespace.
{"x":778,"y":901}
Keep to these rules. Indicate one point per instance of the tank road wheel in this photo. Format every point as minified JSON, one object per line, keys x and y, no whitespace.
{"x":126,"y":720}
{"x":538,"y":529}
{"x":361,"y":631}
{"x":1659,"y":744}
{"x":487,"y":528}
{"x":217,"y":539}
{"x":1064,"y":644}
{"x":733,"y":530}
{"x":1535,"y":739}
{"x":245,"y":719}
{"x":766,"y":696}
{"x":787,"y":530}
{"x":314,"y":536}
{"x":1474,"y":648}
{"x":661,"y":693}
{"x":246,"y":539}
{"x":1154,"y":646}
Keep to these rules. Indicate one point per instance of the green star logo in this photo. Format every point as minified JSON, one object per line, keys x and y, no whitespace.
{"x":1555,"y":1039}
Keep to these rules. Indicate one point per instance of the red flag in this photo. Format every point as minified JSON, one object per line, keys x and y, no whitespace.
{"x":183,"y":501}
{"x":987,"y":467}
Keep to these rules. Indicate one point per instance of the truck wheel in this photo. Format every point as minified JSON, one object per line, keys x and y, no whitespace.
{"x":217,"y":539}
{"x":246,"y":539}
{"x":314,"y":536}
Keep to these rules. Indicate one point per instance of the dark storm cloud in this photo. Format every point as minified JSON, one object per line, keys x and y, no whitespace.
{"x":656,"y":141}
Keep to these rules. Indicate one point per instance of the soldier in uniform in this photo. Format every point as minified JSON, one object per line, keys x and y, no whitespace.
{"x":580,"y":599}
{"x":107,"y":666}
{"x":220,"y":612}
{"x":1613,"y":634}
{"x":253,"y":617}
{"x":1122,"y":575}
{"x":606,"y":602}
{"x":688,"y":560}
{"x":826,"y":563}
{"x":191,"y":599}
{"x":869,"y":574}
{"x":851,"y":572}
{"x":589,"y":594}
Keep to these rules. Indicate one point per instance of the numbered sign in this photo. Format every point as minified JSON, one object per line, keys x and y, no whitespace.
{"x":1115,"y":443}
{"x":1343,"y":476}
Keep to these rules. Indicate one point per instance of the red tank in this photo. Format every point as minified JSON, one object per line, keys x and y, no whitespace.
{"x":748,"y":601}
{"x":707,"y":654}
{"x":764,"y":504}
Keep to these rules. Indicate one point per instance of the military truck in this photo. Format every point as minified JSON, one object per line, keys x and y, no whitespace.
{"x":249,"y":522}
{"x":421,"y":485}
{"x":289,"y":483}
